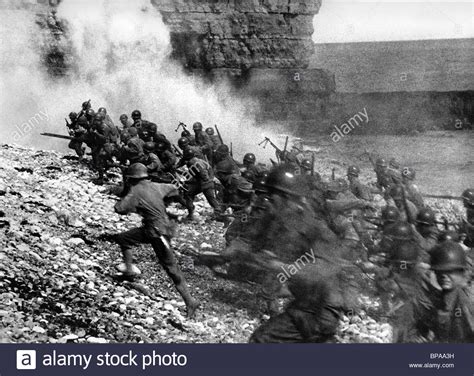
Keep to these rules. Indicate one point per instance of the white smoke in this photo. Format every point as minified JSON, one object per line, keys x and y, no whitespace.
{"x":121,"y":62}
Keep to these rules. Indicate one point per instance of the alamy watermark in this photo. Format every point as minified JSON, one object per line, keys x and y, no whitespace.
{"x":346,"y":128}
{"x":25,"y":128}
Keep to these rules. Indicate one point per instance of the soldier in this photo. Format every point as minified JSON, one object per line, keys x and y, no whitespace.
{"x":426,"y":233}
{"x":134,"y":147}
{"x":167,"y":157}
{"x":151,"y":161}
{"x":322,"y":293}
{"x":411,"y":189}
{"x":146,"y":129}
{"x":188,"y":135}
{"x":250,"y":165}
{"x":403,"y":288}
{"x":201,"y":181}
{"x":384,"y":180}
{"x":77,"y":129}
{"x":183,"y":144}
{"x":203,"y":141}
{"x":216,"y":141}
{"x":408,"y":210}
{"x":146,"y":198}
{"x":451,"y":318}
{"x":356,"y":187}
{"x":125,"y":121}
{"x":467,"y":226}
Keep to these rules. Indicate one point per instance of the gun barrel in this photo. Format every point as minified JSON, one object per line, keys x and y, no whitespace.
{"x":54,"y":135}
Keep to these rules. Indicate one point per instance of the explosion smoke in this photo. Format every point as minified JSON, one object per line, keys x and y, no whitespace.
{"x":120,"y":61}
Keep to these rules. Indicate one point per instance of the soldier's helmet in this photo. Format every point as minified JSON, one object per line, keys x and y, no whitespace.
{"x":210,"y":131}
{"x":426,"y":216}
{"x":90,"y":112}
{"x":137,"y":171}
{"x":448,"y":235}
{"x":400,"y":231}
{"x":161,"y":146}
{"x":396,"y":192}
{"x":283,"y":179}
{"x":404,"y":253}
{"x":98,"y":118}
{"x":353,"y":171}
{"x":82,"y":121}
{"x":468,"y":197}
{"x":408,"y":173}
{"x":380,"y":162}
{"x":86,"y":105}
{"x":306,"y":164}
{"x":247,"y":175}
{"x":222,"y":149}
{"x":249,"y":158}
{"x":448,"y":256}
{"x":390,"y":214}
{"x":123,"y":117}
{"x":197,"y":126}
{"x":259,"y":185}
{"x":136,"y":115}
{"x":183,"y":142}
{"x":149,"y":146}
{"x":188,"y":154}
{"x":185,"y":133}
{"x":102,"y":110}
{"x":394,"y":163}
{"x":133,"y":132}
{"x":72,"y":115}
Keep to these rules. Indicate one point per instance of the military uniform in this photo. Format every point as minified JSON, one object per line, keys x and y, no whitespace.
{"x":146,"y":199}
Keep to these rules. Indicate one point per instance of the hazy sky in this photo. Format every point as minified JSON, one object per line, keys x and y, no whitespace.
{"x":382,"y":20}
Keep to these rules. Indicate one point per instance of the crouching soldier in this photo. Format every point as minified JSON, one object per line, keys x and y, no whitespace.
{"x":322,"y":292}
{"x":146,"y":199}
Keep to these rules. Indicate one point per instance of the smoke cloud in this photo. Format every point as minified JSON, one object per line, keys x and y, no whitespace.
{"x":120,"y":60}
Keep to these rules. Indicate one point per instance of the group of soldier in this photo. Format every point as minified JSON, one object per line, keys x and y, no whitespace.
{"x":292,"y":232}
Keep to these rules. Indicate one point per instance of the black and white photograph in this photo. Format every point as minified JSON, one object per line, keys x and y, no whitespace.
{"x":236,"y":172}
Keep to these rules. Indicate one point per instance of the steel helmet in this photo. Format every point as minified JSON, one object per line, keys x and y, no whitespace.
{"x":136,"y":115}
{"x":249,"y":158}
{"x":394,"y":163}
{"x":448,"y":256}
{"x":353,"y":171}
{"x":468,"y":197}
{"x":401,"y":231}
{"x":282,"y":178}
{"x":306,"y":164}
{"x":185,"y":133}
{"x":149,"y":146}
{"x":197,"y":126}
{"x":247,"y":175}
{"x":72,"y":115}
{"x":188,"y":154}
{"x":390,"y":214}
{"x":86,"y":105}
{"x":183,"y":142}
{"x":380,"y":162}
{"x":426,"y":216}
{"x":137,"y":171}
{"x":259,"y":185}
{"x":405,"y":252}
{"x":448,"y":235}
{"x":102,"y":110}
{"x":210,"y":131}
{"x":161,"y":146}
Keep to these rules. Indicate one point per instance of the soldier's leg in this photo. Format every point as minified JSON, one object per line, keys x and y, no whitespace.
{"x":192,"y":191}
{"x":210,"y":195}
{"x":279,"y":329}
{"x":168,"y":261}
{"x":127,"y":240}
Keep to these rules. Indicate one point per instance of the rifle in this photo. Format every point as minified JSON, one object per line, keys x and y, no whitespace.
{"x":286,"y":145}
{"x":181,"y":125}
{"x":67,"y":123}
{"x":177,"y":151}
{"x":83,"y":112}
{"x":54,"y":135}
{"x":219,"y":134}
{"x":267,"y":141}
{"x":231,"y":151}
{"x":312,"y":164}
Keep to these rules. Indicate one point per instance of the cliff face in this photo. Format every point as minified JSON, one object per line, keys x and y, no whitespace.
{"x":262,"y":46}
{"x":240,"y":34}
